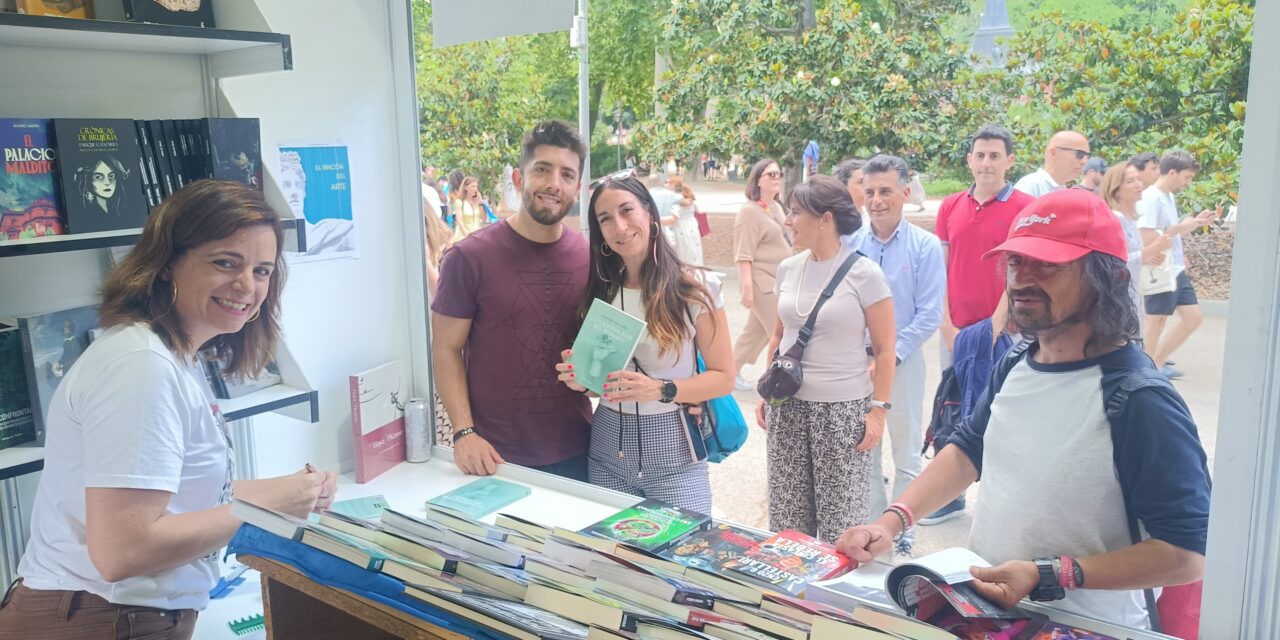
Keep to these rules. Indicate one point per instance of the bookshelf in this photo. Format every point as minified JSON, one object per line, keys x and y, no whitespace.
{"x":110,"y":68}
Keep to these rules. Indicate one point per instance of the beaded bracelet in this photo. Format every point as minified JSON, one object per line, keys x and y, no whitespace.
{"x":902,"y":517}
{"x":906,"y":511}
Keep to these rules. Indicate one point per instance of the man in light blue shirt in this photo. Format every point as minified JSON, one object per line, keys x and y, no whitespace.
{"x":810,"y":159}
{"x":911,"y":259}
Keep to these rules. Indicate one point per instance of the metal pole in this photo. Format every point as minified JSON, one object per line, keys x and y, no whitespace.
{"x":584,"y":111}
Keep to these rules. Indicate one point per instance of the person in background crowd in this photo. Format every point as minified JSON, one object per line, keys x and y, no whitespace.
{"x":849,"y":173}
{"x":1092,"y":175}
{"x":683,"y":224}
{"x":1068,"y":476}
{"x":1158,"y":211}
{"x":133,"y":506}
{"x":429,"y":192}
{"x":1122,"y":188}
{"x":1064,"y":159}
{"x":810,"y":159}
{"x":470,"y":209}
{"x":452,"y":189}
{"x":821,"y":440}
{"x":1148,"y":166}
{"x":503,"y":398}
{"x":640,"y":441}
{"x":760,"y":243}
{"x":662,"y":196}
{"x":439,"y":239}
{"x":912,"y":263}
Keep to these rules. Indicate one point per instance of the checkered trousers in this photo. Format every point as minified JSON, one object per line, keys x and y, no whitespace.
{"x":656,"y":459}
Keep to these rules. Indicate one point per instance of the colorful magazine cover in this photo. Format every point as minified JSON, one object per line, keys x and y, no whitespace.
{"x":716,"y":549}
{"x":790,"y":560}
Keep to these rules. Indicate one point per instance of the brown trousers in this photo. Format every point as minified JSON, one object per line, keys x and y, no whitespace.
{"x":30,"y":614}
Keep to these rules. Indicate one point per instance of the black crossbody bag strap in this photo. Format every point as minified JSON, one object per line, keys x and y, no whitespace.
{"x":806,"y":332}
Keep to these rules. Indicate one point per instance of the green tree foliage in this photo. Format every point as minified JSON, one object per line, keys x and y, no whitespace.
{"x":477,"y":100}
{"x":745,"y":79}
{"x":1143,"y":89}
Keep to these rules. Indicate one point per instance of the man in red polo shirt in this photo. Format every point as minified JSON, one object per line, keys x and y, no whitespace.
{"x":971,"y":223}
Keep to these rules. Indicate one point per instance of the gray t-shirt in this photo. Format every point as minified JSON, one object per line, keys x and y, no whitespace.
{"x":835,"y":361}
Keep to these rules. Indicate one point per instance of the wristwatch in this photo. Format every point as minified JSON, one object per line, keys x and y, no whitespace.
{"x":876,"y":404}
{"x":668,"y":391}
{"x":1049,"y":588}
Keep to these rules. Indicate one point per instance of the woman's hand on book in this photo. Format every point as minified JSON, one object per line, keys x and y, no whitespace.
{"x":632,"y":386}
{"x":566,"y":374}
{"x":1006,"y":584}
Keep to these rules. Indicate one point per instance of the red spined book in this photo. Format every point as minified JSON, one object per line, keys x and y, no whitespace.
{"x":790,"y":560}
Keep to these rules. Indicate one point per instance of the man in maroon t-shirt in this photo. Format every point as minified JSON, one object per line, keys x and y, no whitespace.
{"x":505,"y":307}
{"x":971,"y":223}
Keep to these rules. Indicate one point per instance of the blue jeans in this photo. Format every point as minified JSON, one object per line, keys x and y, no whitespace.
{"x":574,"y":468}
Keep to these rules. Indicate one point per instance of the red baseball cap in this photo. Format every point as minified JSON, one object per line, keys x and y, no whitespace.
{"x":1063,"y":226}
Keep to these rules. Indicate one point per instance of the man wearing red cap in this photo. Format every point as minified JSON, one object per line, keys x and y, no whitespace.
{"x":1078,"y":440}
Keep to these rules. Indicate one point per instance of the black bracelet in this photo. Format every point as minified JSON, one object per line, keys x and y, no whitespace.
{"x":463,"y":432}
{"x":1078,"y":572}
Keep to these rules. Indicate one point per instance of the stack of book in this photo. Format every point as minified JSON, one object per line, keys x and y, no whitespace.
{"x":649,"y":571}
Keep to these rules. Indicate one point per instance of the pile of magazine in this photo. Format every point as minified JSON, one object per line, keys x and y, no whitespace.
{"x":648,"y":571}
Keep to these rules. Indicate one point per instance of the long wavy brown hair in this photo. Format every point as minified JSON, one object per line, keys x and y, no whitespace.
{"x":140,"y":288}
{"x":668,"y":285}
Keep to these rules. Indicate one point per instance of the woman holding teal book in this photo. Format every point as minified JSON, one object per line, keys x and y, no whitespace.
{"x":643,"y":441}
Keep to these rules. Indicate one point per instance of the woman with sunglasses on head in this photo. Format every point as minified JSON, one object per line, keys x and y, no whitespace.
{"x":640,"y":442}
{"x":132,"y":507}
{"x":760,"y":243}
{"x":821,"y":438}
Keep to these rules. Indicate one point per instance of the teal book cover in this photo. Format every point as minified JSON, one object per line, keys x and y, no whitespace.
{"x":481,"y":497}
{"x":650,"y":525}
{"x":605,"y":344}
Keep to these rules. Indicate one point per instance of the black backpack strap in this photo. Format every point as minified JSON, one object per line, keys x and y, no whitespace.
{"x":806,"y":332}
{"x":1115,"y":407}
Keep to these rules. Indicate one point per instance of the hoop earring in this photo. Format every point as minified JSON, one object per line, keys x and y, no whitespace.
{"x":173,"y":300}
{"x":603,"y":246}
{"x":600,"y":273}
{"x":255,"y":315}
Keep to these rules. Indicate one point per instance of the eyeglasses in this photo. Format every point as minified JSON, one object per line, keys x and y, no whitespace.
{"x":619,"y":175}
{"x":1080,"y":153}
{"x":772,"y":174}
{"x":1038,"y":269}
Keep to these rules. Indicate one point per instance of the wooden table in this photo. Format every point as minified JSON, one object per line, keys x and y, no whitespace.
{"x":295,"y":607}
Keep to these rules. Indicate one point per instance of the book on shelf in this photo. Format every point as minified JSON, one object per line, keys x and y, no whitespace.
{"x":57,"y":8}
{"x":650,"y":525}
{"x":717,"y":548}
{"x":190,"y":13}
{"x":169,"y":139}
{"x":516,"y":619}
{"x":99,"y":169}
{"x":30,"y":200}
{"x":789,"y":560}
{"x":481,"y":497}
{"x":160,"y":151}
{"x":377,"y":419}
{"x":17,"y":426}
{"x":605,"y":344}
{"x":51,"y":343}
{"x":231,"y":149}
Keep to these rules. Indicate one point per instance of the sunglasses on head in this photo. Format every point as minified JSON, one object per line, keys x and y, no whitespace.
{"x":619,"y":175}
{"x":1080,"y":153}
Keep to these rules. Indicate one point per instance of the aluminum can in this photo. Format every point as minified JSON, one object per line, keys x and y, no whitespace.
{"x":417,"y":430}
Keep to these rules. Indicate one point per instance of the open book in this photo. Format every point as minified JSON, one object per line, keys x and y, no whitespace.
{"x":940,"y":584}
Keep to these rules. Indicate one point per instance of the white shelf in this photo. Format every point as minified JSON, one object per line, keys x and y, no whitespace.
{"x":20,"y":460}
{"x":269,"y":51}
{"x":294,"y":240}
{"x":296,"y":402}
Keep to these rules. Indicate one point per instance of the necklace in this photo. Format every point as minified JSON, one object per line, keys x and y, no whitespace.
{"x":835,"y":263}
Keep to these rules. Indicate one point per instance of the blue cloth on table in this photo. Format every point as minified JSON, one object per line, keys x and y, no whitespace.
{"x":334,"y":572}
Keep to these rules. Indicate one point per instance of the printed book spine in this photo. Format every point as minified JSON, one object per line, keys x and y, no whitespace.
{"x":161,"y":153}
{"x":29,"y":363}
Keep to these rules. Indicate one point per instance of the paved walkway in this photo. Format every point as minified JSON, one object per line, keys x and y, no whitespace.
{"x":738,"y":484}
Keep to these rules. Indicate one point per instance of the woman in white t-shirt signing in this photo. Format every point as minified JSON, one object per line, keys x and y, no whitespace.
{"x":641,"y":442}
{"x":820,"y":439}
{"x":132,"y":506}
